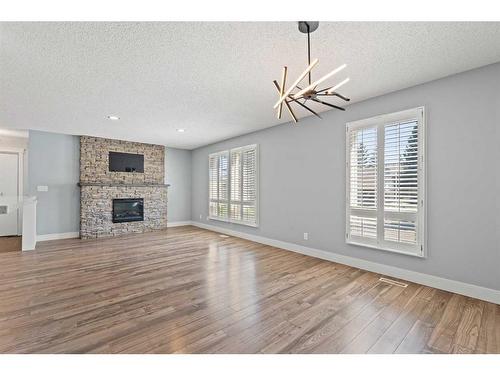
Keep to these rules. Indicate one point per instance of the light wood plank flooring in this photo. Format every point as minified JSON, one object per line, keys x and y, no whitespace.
{"x":188,"y":290}
{"x":10,"y":243}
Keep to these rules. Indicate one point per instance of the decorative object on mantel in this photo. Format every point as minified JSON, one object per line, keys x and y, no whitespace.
{"x":311,"y":92}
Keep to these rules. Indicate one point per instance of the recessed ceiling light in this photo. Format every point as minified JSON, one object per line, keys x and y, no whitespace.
{"x":112,"y":117}
{"x":181,"y":130}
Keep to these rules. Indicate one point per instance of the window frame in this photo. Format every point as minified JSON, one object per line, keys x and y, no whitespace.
{"x":379,"y":122}
{"x":229,"y":152}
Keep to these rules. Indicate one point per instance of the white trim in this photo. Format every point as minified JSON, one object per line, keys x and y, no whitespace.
{"x":226,"y":220}
{"x":57,"y":236}
{"x":171,"y":224}
{"x":14,"y":133}
{"x":470,"y":290}
{"x":16,"y":150}
{"x":20,"y":189}
{"x":61,"y":236}
{"x":385,"y":117}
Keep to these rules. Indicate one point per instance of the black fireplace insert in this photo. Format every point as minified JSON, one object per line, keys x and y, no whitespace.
{"x":129,"y":209}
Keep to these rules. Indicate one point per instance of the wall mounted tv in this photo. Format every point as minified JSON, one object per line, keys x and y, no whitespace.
{"x":123,"y":162}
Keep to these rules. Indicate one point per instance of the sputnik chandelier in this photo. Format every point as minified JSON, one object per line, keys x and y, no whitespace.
{"x":311,"y":92}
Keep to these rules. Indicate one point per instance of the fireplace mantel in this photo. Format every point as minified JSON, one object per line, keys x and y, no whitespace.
{"x":121,"y":185}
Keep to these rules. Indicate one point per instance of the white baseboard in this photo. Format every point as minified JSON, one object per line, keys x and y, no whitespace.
{"x":57,"y":236}
{"x":171,"y":224}
{"x":470,"y":290}
{"x":60,"y":236}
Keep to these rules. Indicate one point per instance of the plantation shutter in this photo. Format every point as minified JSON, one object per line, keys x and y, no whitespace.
{"x":363,"y":183}
{"x":219,"y":185}
{"x":233,"y":183}
{"x":236,"y":185}
{"x":249,"y":188}
{"x":385,"y":182}
{"x":213,"y":183}
{"x":401,"y":181}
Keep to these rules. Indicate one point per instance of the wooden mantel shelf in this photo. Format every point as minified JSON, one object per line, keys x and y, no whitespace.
{"x":118,"y":184}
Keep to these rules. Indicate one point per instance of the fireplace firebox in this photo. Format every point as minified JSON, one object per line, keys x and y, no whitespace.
{"x":129,"y":209}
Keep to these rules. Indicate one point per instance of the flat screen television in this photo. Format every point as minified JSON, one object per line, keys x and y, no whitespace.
{"x":123,"y":162}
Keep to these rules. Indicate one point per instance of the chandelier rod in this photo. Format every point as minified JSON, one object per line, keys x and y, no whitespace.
{"x":308,"y":49}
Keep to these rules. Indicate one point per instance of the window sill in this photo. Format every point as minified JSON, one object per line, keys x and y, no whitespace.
{"x":233,"y":222}
{"x":421,"y":255}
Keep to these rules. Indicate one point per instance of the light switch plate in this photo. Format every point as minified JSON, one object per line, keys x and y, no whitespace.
{"x":42,"y":188}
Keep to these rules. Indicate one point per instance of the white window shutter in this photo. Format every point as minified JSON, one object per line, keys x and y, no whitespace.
{"x":362,"y":190}
{"x":218,"y":174}
{"x":401,"y":182}
{"x":249,"y":188}
{"x":385,"y":182}
{"x":363,"y":146}
{"x":233,"y":185}
{"x":213,"y":182}
{"x":236,"y":185}
{"x":223,"y":209}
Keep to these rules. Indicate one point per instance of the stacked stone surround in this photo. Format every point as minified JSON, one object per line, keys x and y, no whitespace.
{"x":99,"y":187}
{"x":97,"y":205}
{"x":94,"y":162}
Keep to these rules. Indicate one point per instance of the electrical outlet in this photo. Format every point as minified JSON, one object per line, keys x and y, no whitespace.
{"x":42,"y":188}
{"x":306,"y":236}
{"x":201,"y":216}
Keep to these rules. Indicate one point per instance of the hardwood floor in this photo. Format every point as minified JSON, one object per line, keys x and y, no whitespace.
{"x":188,"y":290}
{"x":10,"y":243}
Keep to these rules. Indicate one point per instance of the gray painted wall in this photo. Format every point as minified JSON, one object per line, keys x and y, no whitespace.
{"x":302,"y":178}
{"x":178,"y":175}
{"x":54,"y":160}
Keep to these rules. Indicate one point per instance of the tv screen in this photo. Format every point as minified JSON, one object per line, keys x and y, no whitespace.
{"x":123,"y":162}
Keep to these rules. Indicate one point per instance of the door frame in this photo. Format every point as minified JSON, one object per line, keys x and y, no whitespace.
{"x":20,"y":180}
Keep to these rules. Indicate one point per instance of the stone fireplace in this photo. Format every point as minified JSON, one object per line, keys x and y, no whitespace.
{"x":115,"y":203}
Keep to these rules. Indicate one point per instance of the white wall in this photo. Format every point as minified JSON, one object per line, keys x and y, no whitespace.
{"x":302,"y":178}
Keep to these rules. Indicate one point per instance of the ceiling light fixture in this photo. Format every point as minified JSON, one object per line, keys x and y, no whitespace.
{"x":311,"y":91}
{"x":113,"y":118}
{"x":181,"y":130}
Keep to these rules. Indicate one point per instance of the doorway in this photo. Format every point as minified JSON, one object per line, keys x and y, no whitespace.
{"x":10,"y":192}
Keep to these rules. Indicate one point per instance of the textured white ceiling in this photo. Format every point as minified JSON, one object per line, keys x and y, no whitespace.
{"x":212,"y":79}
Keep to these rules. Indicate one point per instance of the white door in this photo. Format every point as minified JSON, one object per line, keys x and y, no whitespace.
{"x":9,"y":180}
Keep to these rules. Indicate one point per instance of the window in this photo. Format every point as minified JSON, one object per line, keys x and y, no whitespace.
{"x":385,"y":182}
{"x":233,"y":185}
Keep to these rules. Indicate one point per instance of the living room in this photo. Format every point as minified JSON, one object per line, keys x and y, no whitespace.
{"x":250,"y":187}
